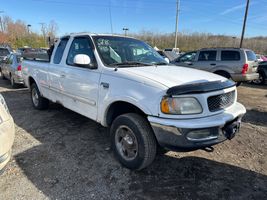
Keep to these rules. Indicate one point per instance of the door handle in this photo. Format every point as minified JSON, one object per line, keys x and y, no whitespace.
{"x":213,"y":64}
{"x":105,"y":85}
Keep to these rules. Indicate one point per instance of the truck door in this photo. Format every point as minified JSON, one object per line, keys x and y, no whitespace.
{"x":206,"y":60}
{"x":56,"y":72}
{"x":81,"y":82}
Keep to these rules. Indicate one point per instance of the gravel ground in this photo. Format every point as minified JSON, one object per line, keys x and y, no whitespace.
{"x":59,"y":154}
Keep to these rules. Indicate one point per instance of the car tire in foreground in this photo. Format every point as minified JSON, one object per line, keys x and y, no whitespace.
{"x":38,"y":101}
{"x":133,"y":141}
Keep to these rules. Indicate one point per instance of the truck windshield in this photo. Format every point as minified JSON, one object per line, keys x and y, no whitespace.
{"x":126,"y":52}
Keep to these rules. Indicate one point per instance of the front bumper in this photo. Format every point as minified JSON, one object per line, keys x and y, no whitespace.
{"x":7,"y":134}
{"x":245,"y":77}
{"x":191,"y":134}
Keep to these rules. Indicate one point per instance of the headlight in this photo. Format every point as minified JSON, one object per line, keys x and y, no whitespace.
{"x":180,"y":105}
{"x":3,"y":102}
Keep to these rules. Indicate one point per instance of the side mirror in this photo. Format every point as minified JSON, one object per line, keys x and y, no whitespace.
{"x":167,"y":60}
{"x":83,"y":60}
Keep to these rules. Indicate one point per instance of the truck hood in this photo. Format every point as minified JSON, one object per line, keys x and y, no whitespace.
{"x":169,"y":75}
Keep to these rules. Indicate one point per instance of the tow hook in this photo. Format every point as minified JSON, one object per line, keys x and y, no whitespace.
{"x":231,"y":129}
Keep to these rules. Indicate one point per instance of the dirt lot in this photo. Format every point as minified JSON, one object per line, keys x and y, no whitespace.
{"x":59,"y":154}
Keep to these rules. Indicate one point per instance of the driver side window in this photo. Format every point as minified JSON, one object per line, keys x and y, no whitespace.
{"x":80,"y":45}
{"x":188,"y":57}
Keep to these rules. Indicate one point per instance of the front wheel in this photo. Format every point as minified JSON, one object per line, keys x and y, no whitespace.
{"x":38,"y":101}
{"x":133,"y":141}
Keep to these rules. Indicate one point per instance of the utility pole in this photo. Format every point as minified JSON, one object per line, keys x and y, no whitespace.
{"x":244,"y":24}
{"x":125,"y":31}
{"x":1,"y":23}
{"x":176,"y":24}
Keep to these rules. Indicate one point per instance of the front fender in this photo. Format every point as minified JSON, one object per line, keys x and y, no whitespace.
{"x":127,"y":99}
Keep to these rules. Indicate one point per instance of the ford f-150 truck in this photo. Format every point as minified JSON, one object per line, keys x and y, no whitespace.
{"x":123,"y":83}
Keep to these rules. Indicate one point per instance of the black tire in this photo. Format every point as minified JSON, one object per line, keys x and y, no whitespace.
{"x":223,"y":73}
{"x":261,"y":80}
{"x":12,"y":82}
{"x":143,"y":139}
{"x":41,"y":103}
{"x":228,"y":76}
{"x":238,"y":84}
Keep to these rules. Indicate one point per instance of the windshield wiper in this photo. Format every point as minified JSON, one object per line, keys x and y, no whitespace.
{"x":130,"y":63}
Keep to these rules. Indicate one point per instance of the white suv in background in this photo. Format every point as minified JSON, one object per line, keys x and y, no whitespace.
{"x":7,"y":134}
{"x":237,"y":64}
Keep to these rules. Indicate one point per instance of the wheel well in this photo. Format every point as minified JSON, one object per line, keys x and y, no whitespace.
{"x":223,"y":73}
{"x":119,"y":108}
{"x":31,"y":81}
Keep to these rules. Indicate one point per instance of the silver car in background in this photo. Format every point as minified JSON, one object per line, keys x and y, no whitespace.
{"x":11,"y":69}
{"x":7,"y":134}
{"x":237,"y":64}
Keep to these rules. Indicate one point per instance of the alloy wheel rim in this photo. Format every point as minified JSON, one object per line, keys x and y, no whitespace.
{"x":126,"y":143}
{"x":35,"y":97}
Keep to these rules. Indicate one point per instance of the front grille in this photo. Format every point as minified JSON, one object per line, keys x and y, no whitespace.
{"x":221,"y":101}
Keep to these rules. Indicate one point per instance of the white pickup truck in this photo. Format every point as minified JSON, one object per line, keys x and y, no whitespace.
{"x":124,"y":84}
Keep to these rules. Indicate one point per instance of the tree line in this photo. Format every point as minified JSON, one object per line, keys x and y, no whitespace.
{"x":193,"y":41}
{"x":18,"y":34}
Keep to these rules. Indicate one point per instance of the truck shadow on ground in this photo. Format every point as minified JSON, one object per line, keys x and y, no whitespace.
{"x":255,"y":117}
{"x":251,"y":85}
{"x":73,"y":162}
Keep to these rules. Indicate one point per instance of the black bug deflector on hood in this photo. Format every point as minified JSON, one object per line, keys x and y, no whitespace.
{"x":197,"y":88}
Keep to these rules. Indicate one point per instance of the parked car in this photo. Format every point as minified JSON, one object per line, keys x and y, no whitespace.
{"x":261,"y":58}
{"x":7,"y":134}
{"x":11,"y":69}
{"x":124,"y":84}
{"x":262,"y":69}
{"x":4,"y":52}
{"x":237,"y":64}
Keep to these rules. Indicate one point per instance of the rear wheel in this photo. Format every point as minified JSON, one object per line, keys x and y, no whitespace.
{"x":38,"y":101}
{"x":228,"y":76}
{"x":12,"y":82}
{"x":133,"y":141}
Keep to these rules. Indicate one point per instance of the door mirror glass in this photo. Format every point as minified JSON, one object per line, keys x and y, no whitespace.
{"x":82,"y":60}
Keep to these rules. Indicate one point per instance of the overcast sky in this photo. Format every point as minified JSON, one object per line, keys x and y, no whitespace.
{"x":212,"y":16}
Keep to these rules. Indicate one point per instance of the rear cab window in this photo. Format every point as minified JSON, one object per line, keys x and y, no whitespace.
{"x":230,"y":55}
{"x":207,"y":55}
{"x":251,"y":56}
{"x":60,"y":50}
